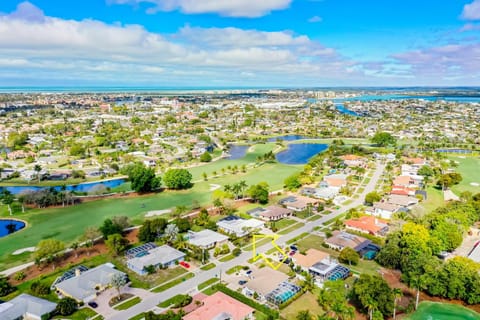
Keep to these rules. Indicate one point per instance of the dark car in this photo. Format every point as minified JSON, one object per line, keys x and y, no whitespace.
{"x":242,"y":282}
{"x":93,"y":304}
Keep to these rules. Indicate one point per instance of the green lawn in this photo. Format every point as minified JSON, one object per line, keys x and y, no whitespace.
{"x":173,"y":283}
{"x":81,"y":314}
{"x":434,"y":200}
{"x":208,"y":266}
{"x":442,"y":311}
{"x":311,"y":241}
{"x":234,"y":269}
{"x":138,"y":317}
{"x":69,"y":223}
{"x":469,"y":168}
{"x":290,"y":229}
{"x":365,"y":266}
{"x":226,"y":258}
{"x":284,"y":223}
{"x":307,"y":301}
{"x":127,"y":304}
{"x":207,"y":283}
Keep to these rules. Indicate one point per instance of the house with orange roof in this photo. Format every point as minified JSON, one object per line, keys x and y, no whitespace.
{"x":351,"y":160}
{"x":221,"y":306}
{"x":367,"y":224}
{"x":417,"y":162}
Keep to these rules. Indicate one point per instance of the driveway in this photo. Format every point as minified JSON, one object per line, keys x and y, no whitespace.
{"x":104,"y":298}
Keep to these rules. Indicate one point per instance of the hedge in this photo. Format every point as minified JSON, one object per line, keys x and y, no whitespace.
{"x":273,"y":314}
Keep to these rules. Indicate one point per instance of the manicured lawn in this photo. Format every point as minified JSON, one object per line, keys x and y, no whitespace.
{"x":297,"y":238}
{"x":284,"y":223}
{"x":434,"y":200}
{"x":173,"y":283}
{"x":207,"y":283}
{"x":67,"y":224}
{"x":290,"y":229}
{"x":227,"y":258}
{"x":311,"y":241}
{"x":149,"y":281}
{"x":365,"y":266}
{"x":127,"y":304}
{"x":469,"y":168}
{"x":442,"y":311}
{"x":81,"y":314}
{"x":234,"y":270}
{"x":138,"y":317}
{"x":307,"y":301}
{"x":208,"y":266}
{"x":173,"y":300}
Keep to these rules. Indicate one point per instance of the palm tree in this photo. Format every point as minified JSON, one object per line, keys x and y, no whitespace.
{"x":243,"y":185}
{"x":74,"y":247}
{"x":303,"y":315}
{"x":171,"y":232}
{"x":397,"y":294}
{"x":37,"y":168}
{"x":7,"y":199}
{"x":179,"y":211}
{"x":371,"y":305}
{"x":419,"y":283}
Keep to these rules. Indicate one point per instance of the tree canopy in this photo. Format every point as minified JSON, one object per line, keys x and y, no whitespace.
{"x":177,"y":179}
{"x":383,"y":139}
{"x":143,"y":179}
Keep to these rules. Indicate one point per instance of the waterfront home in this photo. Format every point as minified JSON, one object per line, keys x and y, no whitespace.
{"x":84,"y":286}
{"x":367,"y":224}
{"x":206,"y":239}
{"x":328,"y":269}
{"x":27,"y":307}
{"x":221,"y":306}
{"x":158,"y":257}
{"x":239,"y":227}
{"x":351,"y":160}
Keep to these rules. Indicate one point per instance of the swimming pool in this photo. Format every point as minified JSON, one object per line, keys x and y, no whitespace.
{"x":284,"y":292}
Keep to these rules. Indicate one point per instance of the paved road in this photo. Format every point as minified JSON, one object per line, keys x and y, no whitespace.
{"x":191,"y":284}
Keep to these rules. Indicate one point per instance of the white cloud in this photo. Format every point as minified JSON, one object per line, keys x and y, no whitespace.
{"x":315,"y":19}
{"x":470,"y":27}
{"x":471,"y":11}
{"x":228,"y":8}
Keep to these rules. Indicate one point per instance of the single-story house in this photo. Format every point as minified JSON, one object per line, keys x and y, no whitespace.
{"x":220,"y":306}
{"x":402,"y":191}
{"x":298,"y":203}
{"x":328,"y":269}
{"x":159,"y":257}
{"x":238,"y":226}
{"x":341,"y":239}
{"x":271,"y":213}
{"x":385,"y":210}
{"x":416,"y":162}
{"x":336,"y":180}
{"x":368,"y":224}
{"x":84,"y":286}
{"x":326,"y":193}
{"x":404,"y":201}
{"x":308,"y":259}
{"x":206,"y":239}
{"x":352,"y":160}
{"x":404,"y":181}
{"x":28,"y":307}
{"x":263,"y":281}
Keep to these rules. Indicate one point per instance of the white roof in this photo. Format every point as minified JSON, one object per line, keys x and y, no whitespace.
{"x":83,"y":285}
{"x":160,"y":255}
{"x":205,"y":238}
{"x":25,"y":303}
{"x":239,"y":225}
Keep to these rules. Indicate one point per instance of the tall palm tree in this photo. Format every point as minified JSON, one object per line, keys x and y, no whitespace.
{"x":37,"y":168}
{"x":397,"y":294}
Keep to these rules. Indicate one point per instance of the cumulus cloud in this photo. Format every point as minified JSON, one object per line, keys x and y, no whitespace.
{"x":315,"y":19}
{"x":228,"y":8}
{"x":91,"y":49}
{"x":471,"y":11}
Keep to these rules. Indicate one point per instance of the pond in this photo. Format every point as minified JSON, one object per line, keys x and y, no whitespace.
{"x":300,"y":153}
{"x":290,"y":137}
{"x":442,"y":311}
{"x":236,"y":151}
{"x":9,"y":226}
{"x":82,"y":187}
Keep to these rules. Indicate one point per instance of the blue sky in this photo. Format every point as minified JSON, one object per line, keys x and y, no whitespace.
{"x":230,"y":43}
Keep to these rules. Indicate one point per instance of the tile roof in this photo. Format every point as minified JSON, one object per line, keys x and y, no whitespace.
{"x":220,"y":306}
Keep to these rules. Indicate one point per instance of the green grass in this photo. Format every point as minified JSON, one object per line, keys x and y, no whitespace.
{"x":67,"y":224}
{"x":234,"y":270}
{"x":138,"y":316}
{"x":207,"y":283}
{"x":309,"y":242}
{"x":127,"y":304}
{"x":257,"y":244}
{"x":365,"y":266}
{"x":297,"y":238}
{"x":173,"y":283}
{"x":284,"y":223}
{"x":434,"y":200}
{"x":468,"y":167}
{"x":308,"y":301}
{"x":208,"y":266}
{"x":80,"y":314}
{"x":173,"y":300}
{"x":442,"y":311}
{"x":290,"y":229}
{"x":227,"y":258}
{"x":314,"y":217}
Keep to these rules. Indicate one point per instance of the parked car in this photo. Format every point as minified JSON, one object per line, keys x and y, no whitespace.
{"x":242,"y":282}
{"x":248,"y":272}
{"x":184,"y":264}
{"x":293,"y":247}
{"x":93,"y":304}
{"x":292,"y":253}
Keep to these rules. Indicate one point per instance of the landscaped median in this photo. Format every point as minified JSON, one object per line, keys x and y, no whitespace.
{"x":173,"y":283}
{"x":127,"y":304}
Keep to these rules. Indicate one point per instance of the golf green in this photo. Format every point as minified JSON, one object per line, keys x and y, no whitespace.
{"x":443,"y":311}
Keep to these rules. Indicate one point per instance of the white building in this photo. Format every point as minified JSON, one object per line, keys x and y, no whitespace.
{"x":238,"y":226}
